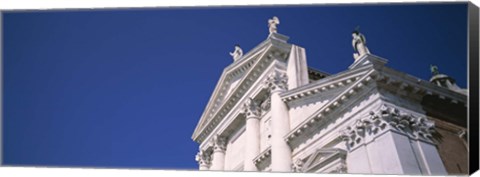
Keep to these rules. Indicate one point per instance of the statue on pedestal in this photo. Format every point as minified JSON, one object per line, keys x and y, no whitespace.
{"x":434,"y":70}
{"x":238,"y":53}
{"x":359,"y":44}
{"x":272,"y":24}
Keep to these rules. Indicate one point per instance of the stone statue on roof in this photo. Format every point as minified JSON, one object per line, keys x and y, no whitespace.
{"x":238,"y":53}
{"x":359,"y":43}
{"x":272,"y":24}
{"x":434,"y":70}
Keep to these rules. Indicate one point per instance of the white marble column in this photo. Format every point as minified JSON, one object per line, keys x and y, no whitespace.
{"x":281,"y":152}
{"x":219,"y":147}
{"x":203,"y":159}
{"x":252,"y":145}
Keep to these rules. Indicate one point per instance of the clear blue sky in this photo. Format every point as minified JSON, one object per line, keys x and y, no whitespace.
{"x":125,"y":88}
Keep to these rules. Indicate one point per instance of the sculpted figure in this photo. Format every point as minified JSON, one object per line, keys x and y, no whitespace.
{"x":272,"y":24}
{"x":359,"y":44}
{"x":237,"y":53}
{"x":434,"y":69}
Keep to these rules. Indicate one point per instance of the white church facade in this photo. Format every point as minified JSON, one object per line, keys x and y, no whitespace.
{"x":271,"y":112}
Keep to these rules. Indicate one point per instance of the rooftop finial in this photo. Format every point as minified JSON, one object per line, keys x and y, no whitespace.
{"x":359,"y":43}
{"x":272,"y":24}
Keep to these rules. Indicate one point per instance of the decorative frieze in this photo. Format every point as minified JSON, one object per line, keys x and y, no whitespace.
{"x":388,"y":117}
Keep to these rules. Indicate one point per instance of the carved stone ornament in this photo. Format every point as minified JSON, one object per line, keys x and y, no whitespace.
{"x":219,"y":143}
{"x":342,"y":168}
{"x":297,"y":166}
{"x":387,"y":117}
{"x":277,"y":81}
{"x":203,"y":158}
{"x":251,"y":108}
{"x":265,"y":105}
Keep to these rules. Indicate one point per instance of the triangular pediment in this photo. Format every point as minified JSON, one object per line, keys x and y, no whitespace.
{"x":234,"y":76}
{"x":324,"y":159}
{"x":328,"y":87}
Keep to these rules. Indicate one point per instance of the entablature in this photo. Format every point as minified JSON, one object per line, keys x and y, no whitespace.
{"x":408,"y":85}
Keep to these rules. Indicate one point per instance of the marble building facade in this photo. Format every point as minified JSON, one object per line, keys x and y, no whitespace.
{"x":271,"y":112}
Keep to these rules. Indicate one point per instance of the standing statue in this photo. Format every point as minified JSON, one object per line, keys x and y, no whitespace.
{"x":238,"y":53}
{"x":272,"y":24}
{"x":359,"y":44}
{"x":434,"y":70}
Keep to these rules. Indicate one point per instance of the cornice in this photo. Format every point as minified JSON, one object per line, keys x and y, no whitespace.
{"x":328,"y":108}
{"x":265,"y":154}
{"x":222,"y":86}
{"x":383,"y":76}
{"x":412,"y":85}
{"x":339,"y":80}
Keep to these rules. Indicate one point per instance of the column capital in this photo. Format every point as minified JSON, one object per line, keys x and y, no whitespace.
{"x":277,"y":81}
{"x":389,"y":118}
{"x":251,"y":108}
{"x":203,"y":158}
{"x":219,"y":143}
